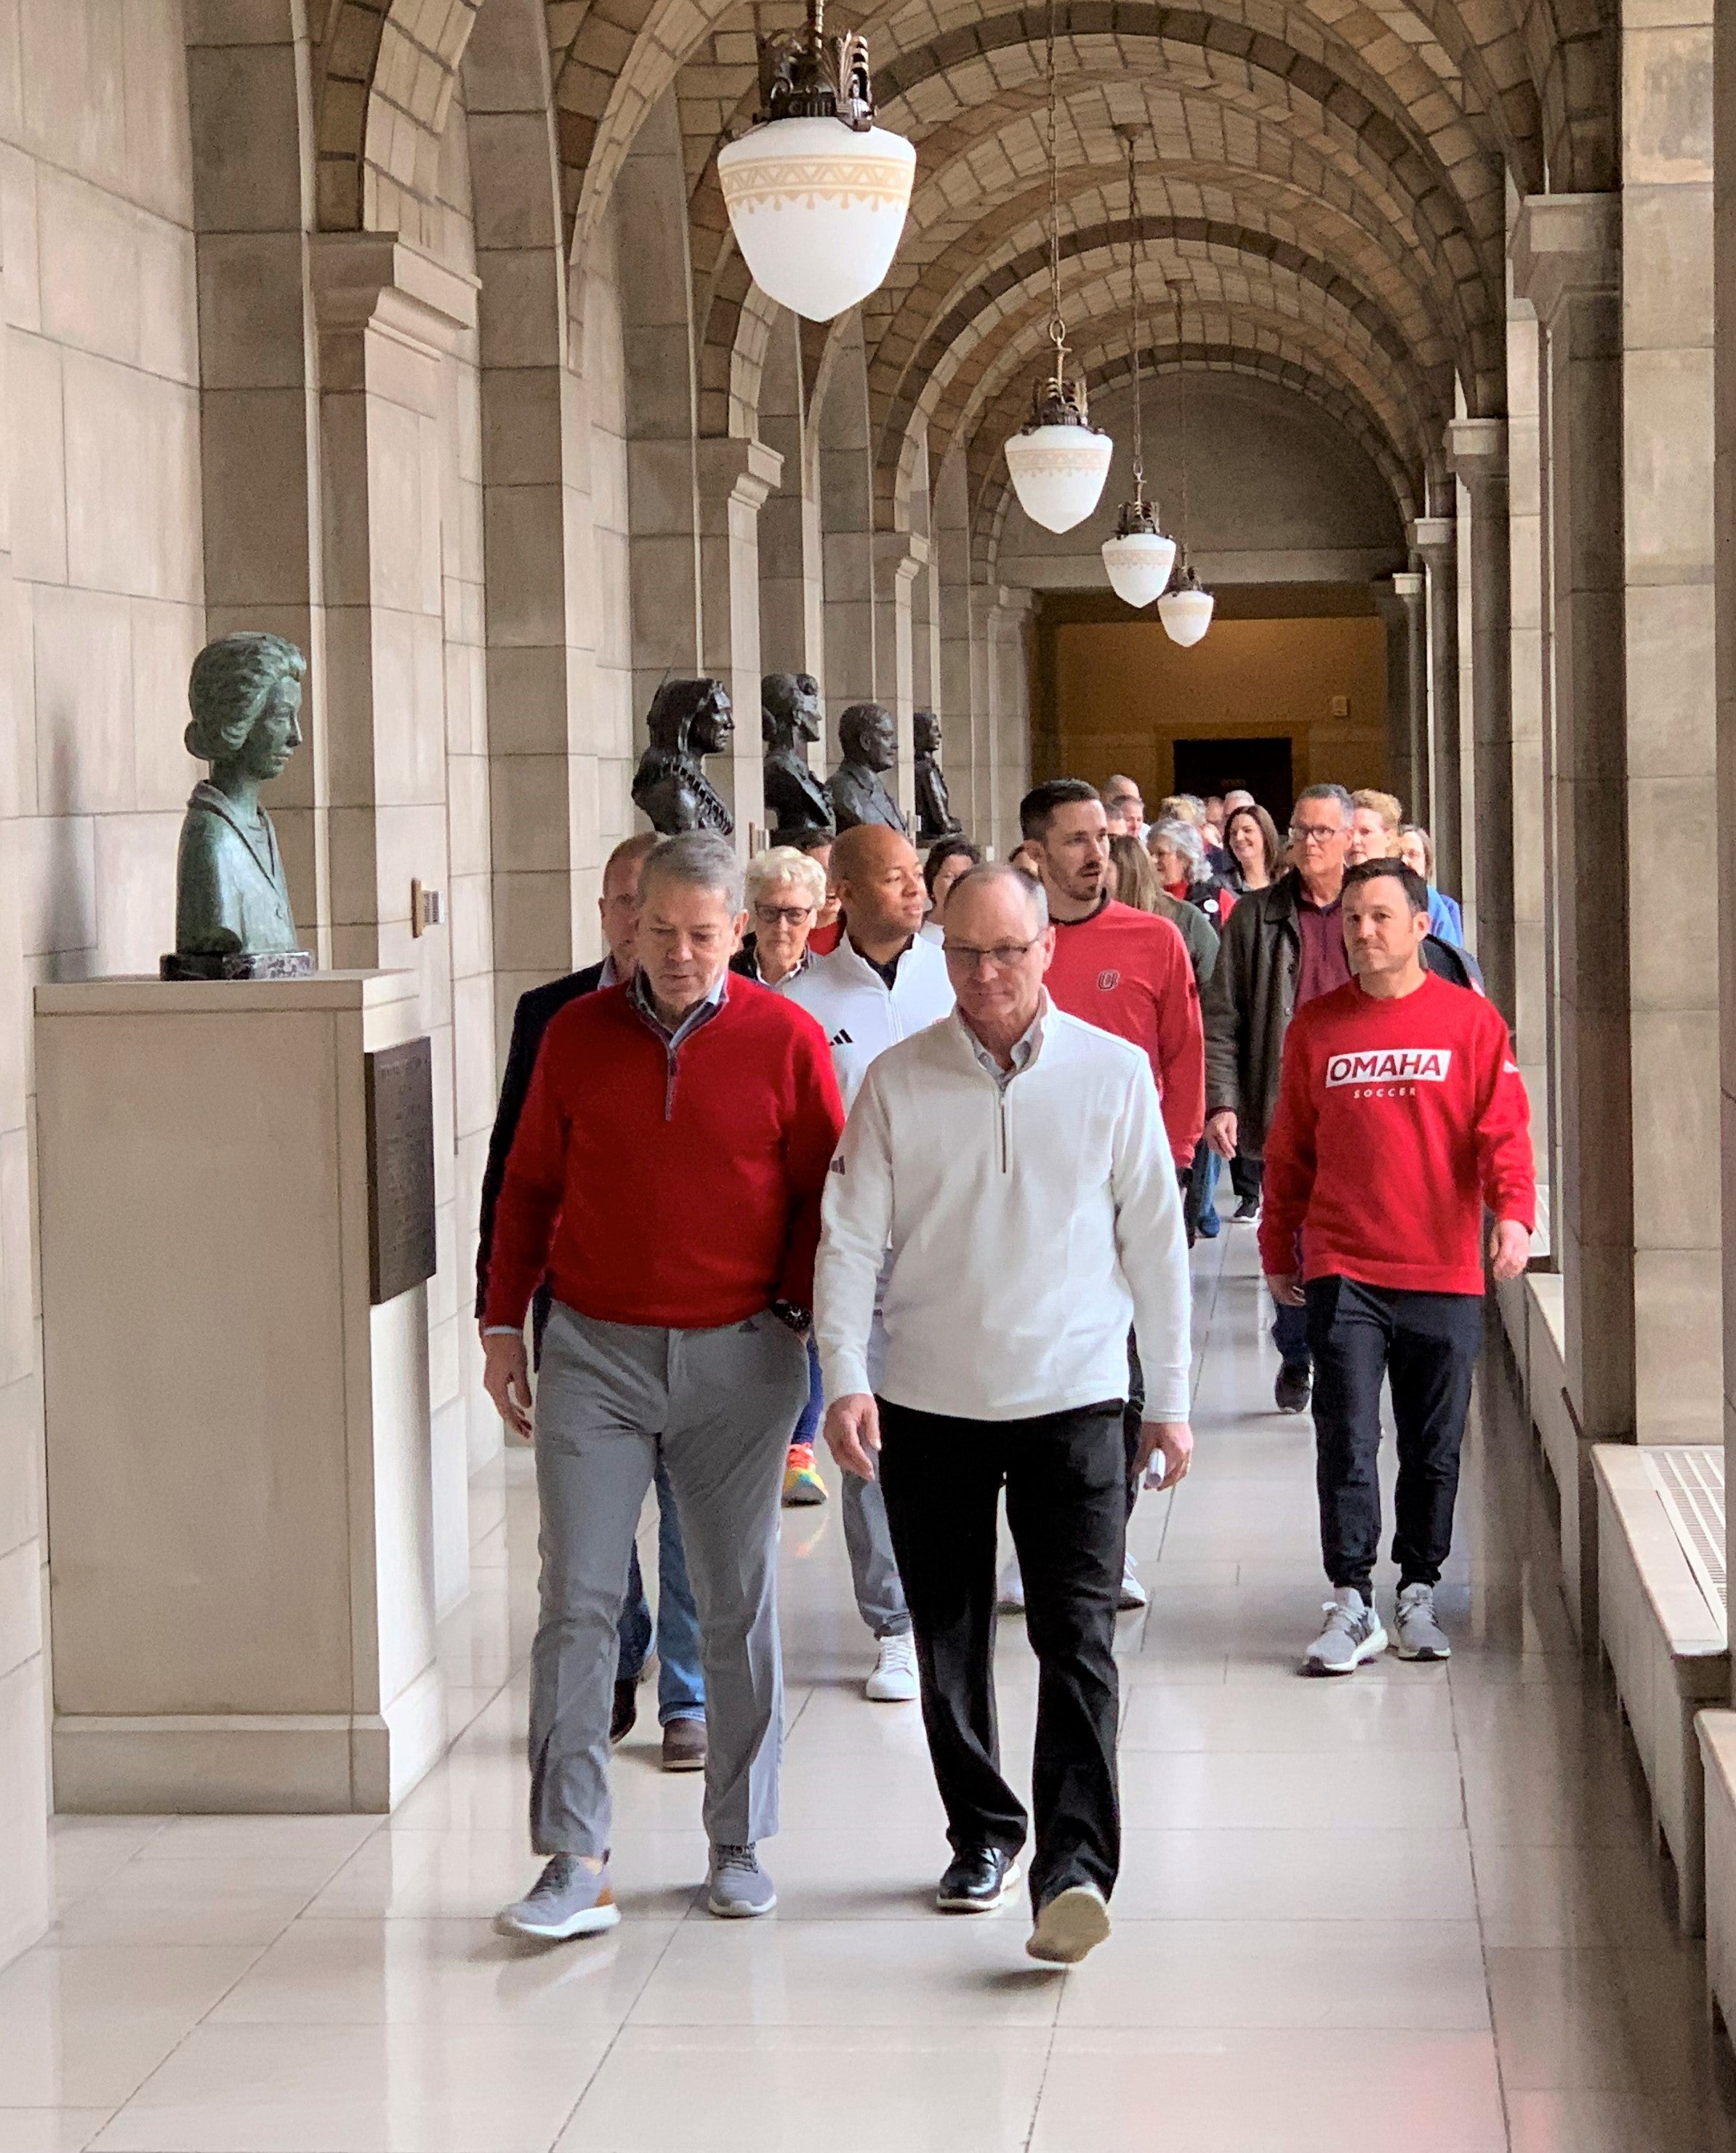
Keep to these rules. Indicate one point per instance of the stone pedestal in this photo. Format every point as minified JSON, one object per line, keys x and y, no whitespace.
{"x":241,"y":1573}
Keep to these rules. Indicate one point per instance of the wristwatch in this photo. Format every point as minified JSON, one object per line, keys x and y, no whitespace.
{"x":801,"y":1321}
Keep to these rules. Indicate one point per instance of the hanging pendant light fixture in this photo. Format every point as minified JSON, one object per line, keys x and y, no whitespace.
{"x":817,"y":193}
{"x":1138,"y":558}
{"x":1058,"y":460}
{"x":1185,"y":609}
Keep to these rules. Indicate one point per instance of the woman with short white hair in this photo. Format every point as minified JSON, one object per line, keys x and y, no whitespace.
{"x":786,"y":890}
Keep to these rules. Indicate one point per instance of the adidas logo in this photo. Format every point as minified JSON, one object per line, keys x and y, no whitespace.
{"x":840,"y":1038}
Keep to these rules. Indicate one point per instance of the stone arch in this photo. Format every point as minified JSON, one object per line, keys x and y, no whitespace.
{"x":387,"y":76}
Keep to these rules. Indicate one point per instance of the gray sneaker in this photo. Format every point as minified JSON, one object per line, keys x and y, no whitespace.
{"x":738,"y":1888}
{"x":1352,"y":1634}
{"x":567,"y":1899}
{"x":1416,"y":1634}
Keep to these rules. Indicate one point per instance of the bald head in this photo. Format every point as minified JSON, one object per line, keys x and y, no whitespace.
{"x":878,"y":880}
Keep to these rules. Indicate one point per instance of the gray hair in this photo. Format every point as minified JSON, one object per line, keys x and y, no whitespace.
{"x":1346,"y":806}
{"x":782,"y":863}
{"x":1028,"y":887}
{"x":698,"y":858}
{"x":1183,"y":838}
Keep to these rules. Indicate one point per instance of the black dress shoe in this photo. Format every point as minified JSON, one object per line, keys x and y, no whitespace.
{"x":977,"y":1881}
{"x":626,"y":1711}
{"x":1293,"y":1389}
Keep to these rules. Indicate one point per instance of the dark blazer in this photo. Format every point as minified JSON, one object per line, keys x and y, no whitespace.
{"x":535,"y":1011}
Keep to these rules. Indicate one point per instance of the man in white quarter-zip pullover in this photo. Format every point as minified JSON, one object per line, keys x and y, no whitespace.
{"x":882,"y":983}
{"x":1009,"y":1170}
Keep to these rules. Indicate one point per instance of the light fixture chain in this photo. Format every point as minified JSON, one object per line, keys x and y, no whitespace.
{"x":1057,"y":327}
{"x":1133,"y":300}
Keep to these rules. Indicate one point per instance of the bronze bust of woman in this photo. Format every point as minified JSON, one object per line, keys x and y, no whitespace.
{"x":233,"y":916}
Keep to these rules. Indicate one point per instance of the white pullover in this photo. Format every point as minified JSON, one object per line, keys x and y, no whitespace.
{"x":1029,"y":1223}
{"x":860,"y":1015}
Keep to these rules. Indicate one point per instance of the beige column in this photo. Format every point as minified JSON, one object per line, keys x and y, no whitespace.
{"x":1532,"y":835}
{"x":1672,"y":736}
{"x":976,"y":763}
{"x":734,"y":478}
{"x":1567,"y":261}
{"x":900,"y":557}
{"x":1724,"y":326}
{"x":1400,"y":600}
{"x":1010,"y":711}
{"x":387,"y":314}
{"x":847,"y":551}
{"x":24,"y":1766}
{"x":1435,"y":539}
{"x":1477,"y":449}
{"x":791,"y":587}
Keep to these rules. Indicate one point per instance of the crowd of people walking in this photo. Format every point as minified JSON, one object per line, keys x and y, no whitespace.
{"x":911,"y":1151}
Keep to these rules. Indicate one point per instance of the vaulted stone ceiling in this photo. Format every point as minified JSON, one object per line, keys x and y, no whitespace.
{"x":1322,"y":190}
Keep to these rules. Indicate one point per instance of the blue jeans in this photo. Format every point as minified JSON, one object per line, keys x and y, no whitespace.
{"x":808,"y":1427}
{"x":1290,"y":1335}
{"x":680,"y":1683}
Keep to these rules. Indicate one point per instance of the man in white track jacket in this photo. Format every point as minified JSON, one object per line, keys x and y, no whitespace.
{"x":882,"y":983}
{"x":1013,"y":1160}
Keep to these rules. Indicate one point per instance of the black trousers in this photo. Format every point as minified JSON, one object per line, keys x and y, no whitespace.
{"x":1427,"y":1344}
{"x":1065,"y":1476}
{"x":1245,"y":1176}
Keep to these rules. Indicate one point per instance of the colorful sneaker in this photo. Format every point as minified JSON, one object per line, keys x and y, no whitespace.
{"x":1415,"y":1633}
{"x":802,"y":1485}
{"x":1352,"y":1634}
{"x":568,"y":1899}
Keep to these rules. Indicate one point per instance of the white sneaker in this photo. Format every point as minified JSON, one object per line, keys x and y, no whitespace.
{"x":1132,"y":1592}
{"x":893,"y":1681}
{"x":1010,"y":1596}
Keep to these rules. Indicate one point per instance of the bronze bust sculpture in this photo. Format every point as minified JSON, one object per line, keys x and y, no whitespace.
{"x":233,"y":916}
{"x":688,"y":719}
{"x":934,"y":817}
{"x":790,"y":715}
{"x":867,"y":734}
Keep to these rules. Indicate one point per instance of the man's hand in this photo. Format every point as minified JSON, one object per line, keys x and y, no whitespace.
{"x":853,"y":1433}
{"x":1221,"y":1132}
{"x":1173,"y":1440}
{"x":1285,"y":1288}
{"x":1510,"y":1249}
{"x":507,"y":1379}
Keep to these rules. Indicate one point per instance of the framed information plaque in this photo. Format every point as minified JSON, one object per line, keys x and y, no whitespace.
{"x":400,"y":1170}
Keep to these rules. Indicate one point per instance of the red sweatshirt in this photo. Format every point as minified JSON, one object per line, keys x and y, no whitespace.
{"x":680,"y":1189}
{"x":1128,"y":972}
{"x":1396,"y":1122}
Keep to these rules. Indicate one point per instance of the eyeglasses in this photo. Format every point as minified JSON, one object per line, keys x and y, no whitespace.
{"x":1003,"y":956}
{"x":1315,"y":834}
{"x":783,"y":915}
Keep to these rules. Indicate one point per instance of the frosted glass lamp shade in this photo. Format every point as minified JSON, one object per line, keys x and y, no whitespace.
{"x":1138,"y":562}
{"x":817,"y":210}
{"x":1058,"y":473}
{"x":1186,"y":615}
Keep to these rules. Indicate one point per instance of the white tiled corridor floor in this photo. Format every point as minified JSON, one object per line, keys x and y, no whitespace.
{"x":1412,"y":1910}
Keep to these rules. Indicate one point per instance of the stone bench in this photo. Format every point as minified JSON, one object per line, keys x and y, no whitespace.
{"x":1534,"y":1316}
{"x":1661,"y":1619}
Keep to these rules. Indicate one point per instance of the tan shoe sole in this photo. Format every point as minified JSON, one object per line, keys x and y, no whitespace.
{"x":1072,"y":1923}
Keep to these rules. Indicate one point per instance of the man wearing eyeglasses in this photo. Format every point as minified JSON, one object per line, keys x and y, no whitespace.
{"x":883,"y":982}
{"x":1009,"y":1171}
{"x":1283,"y":947}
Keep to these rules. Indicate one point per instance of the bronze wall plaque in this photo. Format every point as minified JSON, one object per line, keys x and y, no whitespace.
{"x":400,"y":1170}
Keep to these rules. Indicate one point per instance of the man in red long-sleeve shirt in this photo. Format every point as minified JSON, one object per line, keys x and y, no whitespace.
{"x":665,"y":1179}
{"x":1128,"y":972}
{"x":1401,"y":1115}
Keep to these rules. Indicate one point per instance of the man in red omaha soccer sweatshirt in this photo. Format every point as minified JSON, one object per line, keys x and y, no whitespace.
{"x":666,"y":1177}
{"x":1401,"y":1116}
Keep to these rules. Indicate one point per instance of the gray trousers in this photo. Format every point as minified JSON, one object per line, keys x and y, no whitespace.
{"x":873,"y":1566}
{"x":717,"y":1406}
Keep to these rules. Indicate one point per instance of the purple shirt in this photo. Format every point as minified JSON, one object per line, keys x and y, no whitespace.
{"x":1324,"y":962}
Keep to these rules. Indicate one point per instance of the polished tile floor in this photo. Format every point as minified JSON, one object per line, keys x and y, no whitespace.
{"x":1415,"y":1910}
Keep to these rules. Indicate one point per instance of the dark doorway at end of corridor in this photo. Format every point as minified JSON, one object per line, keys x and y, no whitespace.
{"x":1260,"y":766}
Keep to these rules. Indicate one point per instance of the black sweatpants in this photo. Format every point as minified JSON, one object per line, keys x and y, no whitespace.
{"x":1064,"y":1475}
{"x":1427,"y":1344}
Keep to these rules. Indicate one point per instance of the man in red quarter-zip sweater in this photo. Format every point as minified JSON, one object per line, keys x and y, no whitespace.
{"x":1401,"y":1116}
{"x":665,"y":1179}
